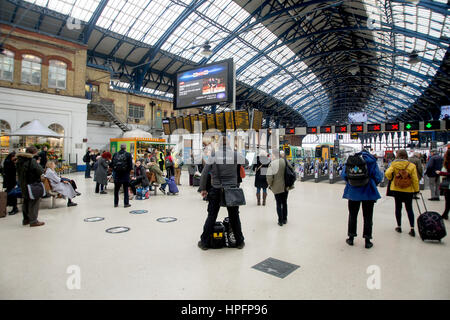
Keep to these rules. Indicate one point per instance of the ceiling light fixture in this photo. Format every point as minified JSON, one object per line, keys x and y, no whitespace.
{"x":206,"y":51}
{"x":413,"y":57}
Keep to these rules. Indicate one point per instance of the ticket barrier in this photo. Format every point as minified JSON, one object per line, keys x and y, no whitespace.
{"x":320,"y":171}
{"x":307,"y":170}
{"x":335,"y":171}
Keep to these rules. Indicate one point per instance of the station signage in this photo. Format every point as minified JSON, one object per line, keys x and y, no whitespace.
{"x":412,"y":126}
{"x":311,"y":130}
{"x":374,"y":127}
{"x":432,"y":125}
{"x":357,"y":128}
{"x":392,"y":127}
{"x":414,"y":135}
{"x":340,"y":129}
{"x":289,"y":131}
{"x":325,"y":129}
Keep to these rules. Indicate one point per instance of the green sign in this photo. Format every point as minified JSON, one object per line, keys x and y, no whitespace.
{"x":410,"y":126}
{"x":432,"y":125}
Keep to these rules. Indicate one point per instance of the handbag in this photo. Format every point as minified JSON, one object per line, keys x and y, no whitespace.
{"x":231,"y":196}
{"x":242,"y":172}
{"x":444,"y":186}
{"x":36,"y":190}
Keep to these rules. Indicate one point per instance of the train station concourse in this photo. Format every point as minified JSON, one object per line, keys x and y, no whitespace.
{"x":224,"y":150}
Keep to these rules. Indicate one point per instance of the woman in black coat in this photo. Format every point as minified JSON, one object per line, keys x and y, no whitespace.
{"x":260,"y":168}
{"x":10,"y":180}
{"x":139,"y":177}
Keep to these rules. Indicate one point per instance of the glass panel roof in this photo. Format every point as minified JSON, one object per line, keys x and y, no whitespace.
{"x":79,"y":9}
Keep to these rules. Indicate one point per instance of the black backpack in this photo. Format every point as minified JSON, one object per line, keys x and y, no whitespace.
{"x":289,"y":175}
{"x":120,"y":162}
{"x":85,"y":158}
{"x":218,"y":236}
{"x":356,"y":170}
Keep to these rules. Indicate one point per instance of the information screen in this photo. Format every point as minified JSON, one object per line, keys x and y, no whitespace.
{"x":203,"y":120}
{"x":166,"y":127}
{"x":311,"y":130}
{"x":220,"y":121}
{"x":229,"y":120}
{"x":392,"y":127}
{"x":257,"y":120}
{"x":412,"y":126}
{"x":374,"y":127}
{"x":187,"y":124}
{"x":173,"y":124}
{"x":241,"y":119}
{"x":194,"y":118}
{"x":206,"y":85}
{"x":357,"y":128}
{"x":325,"y":129}
{"x":340,"y":129}
{"x":180,"y":123}
{"x":211,"y":119}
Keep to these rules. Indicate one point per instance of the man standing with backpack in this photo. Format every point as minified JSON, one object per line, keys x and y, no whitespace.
{"x":87,"y":161}
{"x":434,"y":164}
{"x":362,"y":175}
{"x":279,"y":179}
{"x":122,"y":165}
{"x":404,"y":184}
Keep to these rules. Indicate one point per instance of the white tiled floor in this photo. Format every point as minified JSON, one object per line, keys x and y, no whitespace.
{"x":162,"y":261}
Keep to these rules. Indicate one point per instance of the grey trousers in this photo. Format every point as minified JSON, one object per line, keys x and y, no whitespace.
{"x":434,"y":186}
{"x":30,"y":209}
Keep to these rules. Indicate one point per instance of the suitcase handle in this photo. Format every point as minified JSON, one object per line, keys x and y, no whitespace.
{"x":424,"y":205}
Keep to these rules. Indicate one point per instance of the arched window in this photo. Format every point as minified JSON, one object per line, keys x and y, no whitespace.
{"x":7,"y":65}
{"x":57,"y":72}
{"x":31,"y":69}
{"x":5,"y":128}
{"x":57,"y":144}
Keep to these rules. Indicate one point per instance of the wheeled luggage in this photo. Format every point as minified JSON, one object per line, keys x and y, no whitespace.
{"x":431,"y":224}
{"x":172,"y":185}
{"x":218,"y":236}
{"x":196,"y":181}
{"x":3,"y":201}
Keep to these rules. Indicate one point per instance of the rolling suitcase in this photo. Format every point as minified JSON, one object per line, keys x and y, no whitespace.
{"x":218,"y":236}
{"x":3,"y":202}
{"x":431,"y":224}
{"x":172,"y":185}
{"x":196,"y":181}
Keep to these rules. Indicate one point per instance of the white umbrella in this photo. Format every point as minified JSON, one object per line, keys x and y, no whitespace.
{"x":35,"y":128}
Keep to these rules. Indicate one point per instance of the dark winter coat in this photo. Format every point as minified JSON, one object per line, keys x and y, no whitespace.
{"x":140,"y":172}
{"x":101,"y":173}
{"x":123,"y":176}
{"x":434,"y":164}
{"x":9,"y":174}
{"x":43,"y":156}
{"x":260,"y":168}
{"x":28,"y":171}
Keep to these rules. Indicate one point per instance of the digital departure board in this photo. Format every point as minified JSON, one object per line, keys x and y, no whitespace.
{"x":187,"y":123}
{"x":204,"y":121}
{"x":172,"y":124}
{"x":412,"y":126}
{"x":241,"y":120}
{"x":392,"y":127}
{"x":374,"y":127}
{"x":257,"y":120}
{"x":229,"y":120}
{"x":220,"y":121}
{"x":340,"y":129}
{"x":180,"y":123}
{"x":311,"y":130}
{"x":356,"y":128}
{"x":325,"y":129}
{"x":166,"y":126}
{"x":211,"y":120}
{"x":194,"y":118}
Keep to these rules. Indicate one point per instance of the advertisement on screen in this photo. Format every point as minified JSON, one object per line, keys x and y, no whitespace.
{"x":207,"y":85}
{"x":357,"y":117}
{"x":445,"y":113}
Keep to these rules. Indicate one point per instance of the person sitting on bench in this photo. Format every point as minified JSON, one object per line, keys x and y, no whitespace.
{"x":62,"y":186}
{"x":139,"y":177}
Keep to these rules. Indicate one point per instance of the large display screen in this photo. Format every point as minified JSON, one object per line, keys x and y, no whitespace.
{"x":257,"y":120}
{"x":220,"y":121}
{"x":207,"y":85}
{"x":180,"y":123}
{"x":173,"y":124}
{"x":445,"y":113}
{"x":187,"y":124}
{"x":211,"y":120}
{"x":166,"y":127}
{"x":357,"y":117}
{"x":241,"y":119}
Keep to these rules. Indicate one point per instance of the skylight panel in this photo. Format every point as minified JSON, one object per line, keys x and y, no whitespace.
{"x":79,"y":9}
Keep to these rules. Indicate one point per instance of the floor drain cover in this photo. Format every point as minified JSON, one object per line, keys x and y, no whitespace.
{"x":276,"y":267}
{"x":94,"y":219}
{"x":166,"y":219}
{"x":138,"y":211}
{"x":117,"y":229}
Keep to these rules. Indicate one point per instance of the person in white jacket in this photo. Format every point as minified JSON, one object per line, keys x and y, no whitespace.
{"x":60,"y":185}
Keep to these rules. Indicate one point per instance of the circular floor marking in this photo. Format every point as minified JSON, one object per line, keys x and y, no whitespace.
{"x":166,"y":219}
{"x":138,"y":211}
{"x":117,"y":230}
{"x":94,"y":219}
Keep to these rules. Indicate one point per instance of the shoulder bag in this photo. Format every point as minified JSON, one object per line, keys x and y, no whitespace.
{"x":36,"y":190}
{"x":232,"y":196}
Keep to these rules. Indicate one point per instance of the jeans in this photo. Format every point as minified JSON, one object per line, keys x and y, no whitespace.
{"x":134,"y":183}
{"x":30,"y":209}
{"x":281,"y":200}
{"x":447,"y":203}
{"x":258,"y":190}
{"x":117,"y":186}
{"x":214,"y":198}
{"x":87,"y":173}
{"x":434,"y":186}
{"x":406,"y":198}
{"x":353,"y":210}
{"x":11,"y":200}
{"x":164,"y":185}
